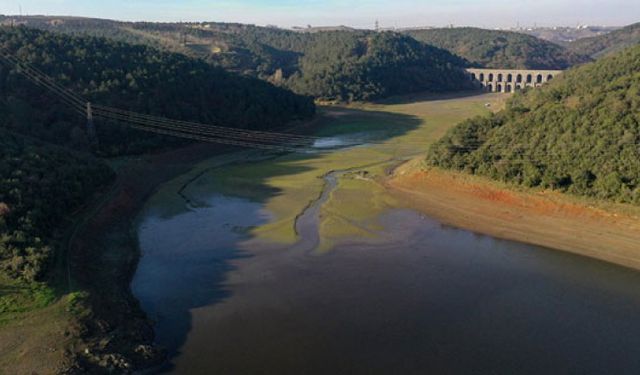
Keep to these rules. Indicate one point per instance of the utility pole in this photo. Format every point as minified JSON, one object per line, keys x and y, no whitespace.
{"x":91,"y":129}
{"x":183,"y":38}
{"x":377,"y":25}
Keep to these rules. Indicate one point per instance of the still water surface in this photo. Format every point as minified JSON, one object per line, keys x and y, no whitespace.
{"x":422,"y":298}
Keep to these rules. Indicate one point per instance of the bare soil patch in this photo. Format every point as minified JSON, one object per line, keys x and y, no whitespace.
{"x":549,"y":219}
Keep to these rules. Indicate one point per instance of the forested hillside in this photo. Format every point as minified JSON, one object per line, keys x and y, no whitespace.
{"x":500,"y":49}
{"x":340,"y":65}
{"x":609,"y":43}
{"x":363,"y":66}
{"x":369,"y":65}
{"x":40,"y":187}
{"x":129,"y":32}
{"x":247,"y":49}
{"x":579,"y":134}
{"x":133,"y":77}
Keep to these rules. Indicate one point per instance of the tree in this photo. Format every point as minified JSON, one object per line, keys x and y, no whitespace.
{"x":578,"y":134}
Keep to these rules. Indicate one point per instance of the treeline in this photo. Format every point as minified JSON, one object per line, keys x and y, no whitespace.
{"x":500,"y":49}
{"x":351,"y":66}
{"x":101,"y":28}
{"x":337,"y":65}
{"x":40,"y":187}
{"x":132,"y":77}
{"x":334,"y":65}
{"x":304,"y":62}
{"x":612,"y":42}
{"x":579,"y":134}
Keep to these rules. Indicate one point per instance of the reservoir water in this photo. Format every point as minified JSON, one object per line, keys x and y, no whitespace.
{"x":422,"y":298}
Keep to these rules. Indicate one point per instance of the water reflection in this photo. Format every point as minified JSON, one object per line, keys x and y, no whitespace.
{"x":423,"y":298}
{"x":185,"y":259}
{"x":351,"y":139}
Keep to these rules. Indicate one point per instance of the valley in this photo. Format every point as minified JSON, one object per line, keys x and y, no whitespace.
{"x":214,"y":197}
{"x":234,"y":255}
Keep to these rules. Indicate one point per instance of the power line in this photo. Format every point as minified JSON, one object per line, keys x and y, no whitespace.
{"x":43,"y":81}
{"x":259,"y":135}
{"x":209,"y":132}
{"x":125,"y":116}
{"x":79,"y":102}
{"x":160,"y":125}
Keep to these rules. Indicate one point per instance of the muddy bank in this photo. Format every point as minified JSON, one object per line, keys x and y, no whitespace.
{"x":547,"y":219}
{"x":103,"y":257}
{"x":117,"y":336}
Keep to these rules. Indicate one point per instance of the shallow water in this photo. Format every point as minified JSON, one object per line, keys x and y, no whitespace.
{"x":421,"y":298}
{"x":346,"y":140}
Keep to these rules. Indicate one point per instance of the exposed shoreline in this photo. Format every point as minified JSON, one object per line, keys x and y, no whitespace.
{"x":103,"y":258}
{"x":548,"y":219}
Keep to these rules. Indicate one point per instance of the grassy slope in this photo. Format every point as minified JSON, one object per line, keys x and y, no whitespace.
{"x":35,"y":328}
{"x":18,"y":297}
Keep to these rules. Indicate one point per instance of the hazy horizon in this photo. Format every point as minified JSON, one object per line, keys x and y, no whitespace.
{"x":359,"y":14}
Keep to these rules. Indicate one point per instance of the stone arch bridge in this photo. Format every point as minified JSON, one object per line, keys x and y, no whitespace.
{"x":510,"y":80}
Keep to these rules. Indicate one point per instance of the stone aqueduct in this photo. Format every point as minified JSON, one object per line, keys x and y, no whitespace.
{"x":509,"y":80}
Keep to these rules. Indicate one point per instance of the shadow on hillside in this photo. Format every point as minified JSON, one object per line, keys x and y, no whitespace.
{"x":192,"y":240}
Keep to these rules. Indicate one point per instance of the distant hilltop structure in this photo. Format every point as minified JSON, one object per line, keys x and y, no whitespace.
{"x":318,"y":29}
{"x":35,"y":20}
{"x":565,"y":34}
{"x":408,"y":28}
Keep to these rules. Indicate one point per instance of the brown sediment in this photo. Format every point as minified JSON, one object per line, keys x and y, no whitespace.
{"x":604,"y":231}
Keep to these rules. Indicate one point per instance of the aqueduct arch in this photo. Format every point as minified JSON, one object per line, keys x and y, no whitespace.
{"x":502,"y":80}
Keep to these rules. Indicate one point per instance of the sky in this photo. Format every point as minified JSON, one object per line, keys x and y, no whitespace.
{"x":356,"y":13}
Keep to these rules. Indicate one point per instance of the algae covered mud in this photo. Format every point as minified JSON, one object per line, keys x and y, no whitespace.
{"x":304,"y":265}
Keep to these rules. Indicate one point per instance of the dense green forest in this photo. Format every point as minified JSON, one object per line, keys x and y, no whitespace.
{"x":133,"y":77}
{"x":500,"y":49}
{"x":337,"y":65}
{"x":363,"y":66}
{"x":608,"y":43}
{"x":340,"y":65}
{"x":40,"y":187}
{"x":368,"y":65}
{"x":579,"y":134}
